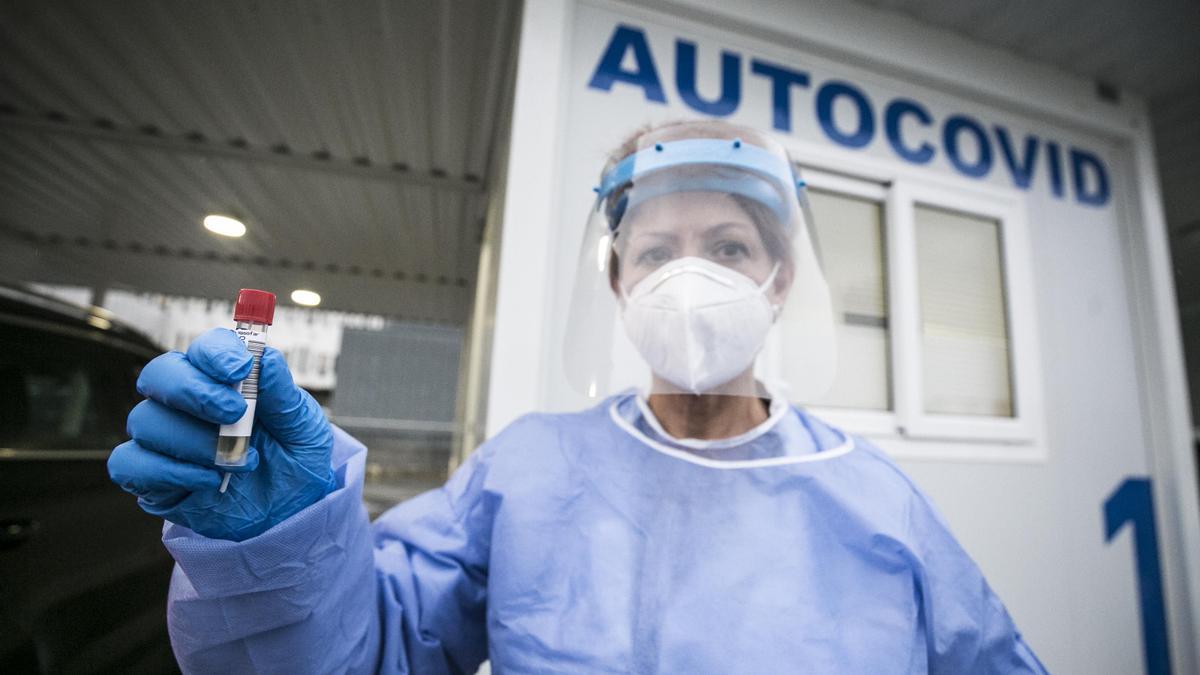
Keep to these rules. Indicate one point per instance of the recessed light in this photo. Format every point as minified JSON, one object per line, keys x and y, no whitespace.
{"x":224,"y":226}
{"x":306,"y":298}
{"x":99,"y":322}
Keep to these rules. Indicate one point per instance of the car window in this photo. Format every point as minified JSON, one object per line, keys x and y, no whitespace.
{"x":63,"y":392}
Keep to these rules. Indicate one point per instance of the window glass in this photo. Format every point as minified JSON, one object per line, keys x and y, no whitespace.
{"x":964,"y":326}
{"x":62,"y":392}
{"x":850,"y":236}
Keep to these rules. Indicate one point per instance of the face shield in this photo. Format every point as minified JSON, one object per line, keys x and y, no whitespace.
{"x":698,"y":253}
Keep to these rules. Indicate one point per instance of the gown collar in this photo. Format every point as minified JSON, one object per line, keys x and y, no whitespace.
{"x":789,"y":436}
{"x":776,"y":410}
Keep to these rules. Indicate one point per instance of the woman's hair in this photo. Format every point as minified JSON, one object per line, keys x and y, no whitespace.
{"x":775,"y":238}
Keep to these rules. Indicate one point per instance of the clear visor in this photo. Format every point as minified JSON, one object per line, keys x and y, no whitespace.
{"x":698,"y":275}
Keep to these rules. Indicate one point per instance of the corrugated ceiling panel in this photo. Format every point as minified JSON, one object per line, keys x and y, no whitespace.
{"x":95,"y":265}
{"x":101,"y":189}
{"x":351,"y":136}
{"x":1177,"y":140}
{"x":391,"y":81}
{"x":1151,"y":48}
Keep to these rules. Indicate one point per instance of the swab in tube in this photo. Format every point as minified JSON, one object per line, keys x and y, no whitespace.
{"x":253,"y":313}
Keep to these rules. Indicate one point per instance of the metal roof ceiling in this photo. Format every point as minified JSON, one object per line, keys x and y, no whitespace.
{"x":352,"y":137}
{"x":1150,"y":47}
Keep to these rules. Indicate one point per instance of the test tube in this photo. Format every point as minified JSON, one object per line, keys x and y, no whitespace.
{"x":254,"y":311}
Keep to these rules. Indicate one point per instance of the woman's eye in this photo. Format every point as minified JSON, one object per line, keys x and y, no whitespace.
{"x":654,"y":256}
{"x":731,"y":250}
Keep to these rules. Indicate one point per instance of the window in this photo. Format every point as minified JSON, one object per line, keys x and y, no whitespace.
{"x":933,"y":310}
{"x":62,"y":392}
{"x":849,"y":234}
{"x":964,"y":327}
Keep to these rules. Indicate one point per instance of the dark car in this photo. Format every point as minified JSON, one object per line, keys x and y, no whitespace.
{"x":83,"y":574}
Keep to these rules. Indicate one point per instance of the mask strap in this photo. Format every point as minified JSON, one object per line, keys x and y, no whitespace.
{"x":624,"y":293}
{"x":770,"y":277}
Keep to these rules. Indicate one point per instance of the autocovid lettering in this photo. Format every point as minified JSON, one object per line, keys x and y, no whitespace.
{"x":862,"y":130}
{"x":847,"y":116}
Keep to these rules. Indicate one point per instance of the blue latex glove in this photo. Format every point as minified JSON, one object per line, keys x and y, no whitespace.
{"x":169,"y":462}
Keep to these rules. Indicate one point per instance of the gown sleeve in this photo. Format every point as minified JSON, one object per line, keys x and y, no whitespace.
{"x":967,"y":628}
{"x":327,"y":592}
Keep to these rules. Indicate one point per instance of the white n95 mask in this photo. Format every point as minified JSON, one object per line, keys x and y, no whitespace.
{"x":698,"y":324}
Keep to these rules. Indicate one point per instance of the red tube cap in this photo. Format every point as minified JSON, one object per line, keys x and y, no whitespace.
{"x":254,"y":306}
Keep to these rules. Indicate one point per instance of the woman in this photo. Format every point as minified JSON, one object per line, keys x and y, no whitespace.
{"x":701,"y":525}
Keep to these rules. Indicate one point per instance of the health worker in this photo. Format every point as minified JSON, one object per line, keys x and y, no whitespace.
{"x":698,"y":523}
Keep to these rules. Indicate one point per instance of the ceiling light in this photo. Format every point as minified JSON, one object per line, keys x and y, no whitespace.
{"x":99,"y":322}
{"x":224,"y":226}
{"x":306,"y":298}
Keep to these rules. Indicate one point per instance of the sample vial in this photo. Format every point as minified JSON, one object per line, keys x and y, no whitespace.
{"x":254,"y":311}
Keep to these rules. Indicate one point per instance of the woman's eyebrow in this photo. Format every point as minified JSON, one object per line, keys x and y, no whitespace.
{"x":665,"y":234}
{"x":728,"y":225}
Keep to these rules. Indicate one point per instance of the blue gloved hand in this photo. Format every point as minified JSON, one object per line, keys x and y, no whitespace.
{"x":169,"y":462}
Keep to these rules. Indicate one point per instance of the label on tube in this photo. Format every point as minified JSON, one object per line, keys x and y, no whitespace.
{"x":255,"y":342}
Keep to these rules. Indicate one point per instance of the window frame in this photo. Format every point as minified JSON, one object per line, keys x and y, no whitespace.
{"x":861,"y":421}
{"x":1019,"y":306}
{"x":907,"y":430}
{"x":118,"y":368}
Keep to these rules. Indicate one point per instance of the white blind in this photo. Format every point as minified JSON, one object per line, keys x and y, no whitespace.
{"x":850,"y":234}
{"x":964,"y":326}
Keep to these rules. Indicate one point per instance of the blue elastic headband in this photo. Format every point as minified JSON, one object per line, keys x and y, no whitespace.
{"x":761,"y":175}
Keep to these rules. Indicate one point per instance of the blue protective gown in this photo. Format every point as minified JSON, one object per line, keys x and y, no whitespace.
{"x":588,"y":543}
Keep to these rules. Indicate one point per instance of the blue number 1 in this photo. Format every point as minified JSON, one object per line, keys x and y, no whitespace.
{"x":1133,"y":502}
